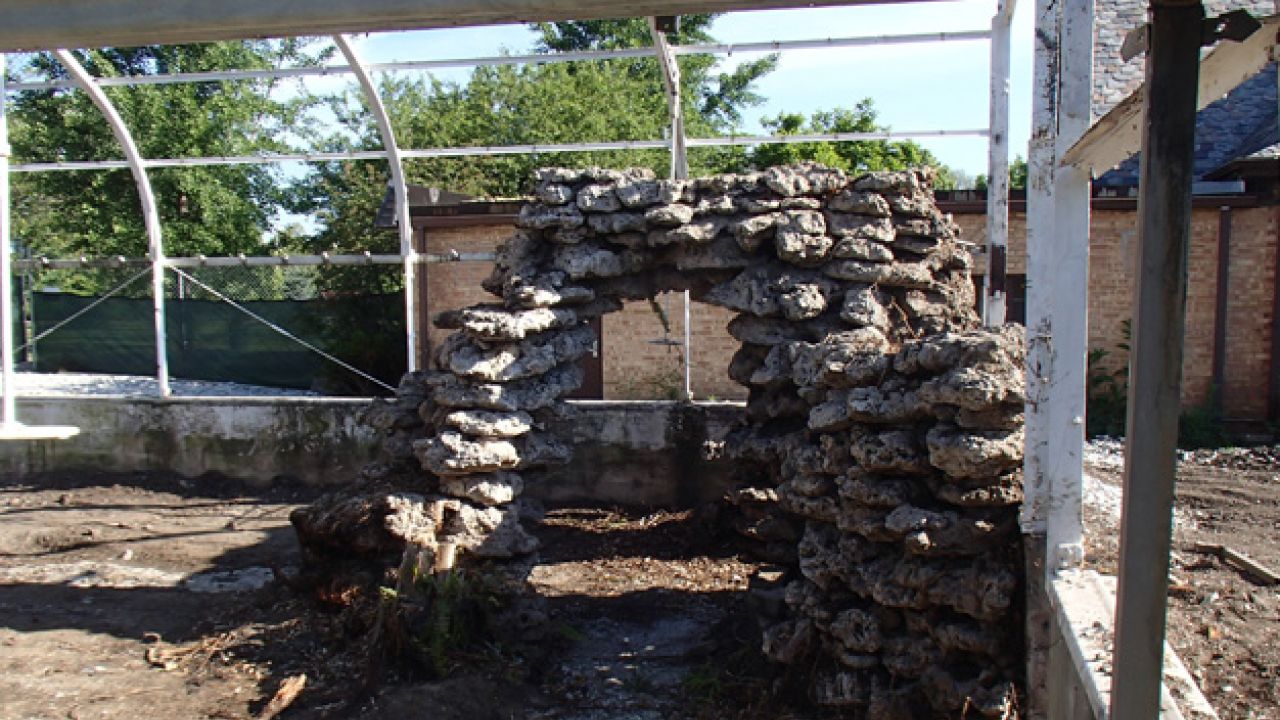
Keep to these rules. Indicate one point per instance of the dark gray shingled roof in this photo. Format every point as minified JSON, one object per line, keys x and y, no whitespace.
{"x":1238,"y":125}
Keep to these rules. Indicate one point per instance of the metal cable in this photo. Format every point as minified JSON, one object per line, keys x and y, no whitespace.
{"x":84,"y":310}
{"x":282,"y":331}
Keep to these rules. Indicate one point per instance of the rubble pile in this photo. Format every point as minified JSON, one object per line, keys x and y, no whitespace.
{"x":884,"y":427}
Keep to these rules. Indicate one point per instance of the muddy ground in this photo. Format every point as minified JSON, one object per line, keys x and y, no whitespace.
{"x":1224,"y":623}
{"x":145,"y":596}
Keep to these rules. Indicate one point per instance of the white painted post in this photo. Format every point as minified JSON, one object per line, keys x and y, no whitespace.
{"x":679,"y":166}
{"x":1041,"y":165}
{"x":9,"y":415}
{"x":150,"y":213}
{"x":1063,"y":460}
{"x":995,"y":290}
{"x":401,"y":189}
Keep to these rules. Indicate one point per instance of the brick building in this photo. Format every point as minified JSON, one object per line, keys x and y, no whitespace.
{"x":642,"y":353}
{"x":641,"y":347}
{"x":1232,"y":353}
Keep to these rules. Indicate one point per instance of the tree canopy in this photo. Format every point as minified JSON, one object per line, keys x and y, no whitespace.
{"x":854,"y":157}
{"x":211,"y":210}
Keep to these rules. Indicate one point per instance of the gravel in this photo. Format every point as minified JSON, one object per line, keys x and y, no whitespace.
{"x":79,"y":384}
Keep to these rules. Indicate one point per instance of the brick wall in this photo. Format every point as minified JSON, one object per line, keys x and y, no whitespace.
{"x":1112,"y":261}
{"x":451,"y":286}
{"x":637,"y":365}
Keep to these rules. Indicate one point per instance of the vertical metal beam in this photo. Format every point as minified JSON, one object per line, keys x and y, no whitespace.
{"x":995,"y":290}
{"x":1273,"y":384}
{"x":1041,"y":163}
{"x":1155,"y":380}
{"x":150,"y":214}
{"x":1041,"y":166}
{"x":401,"y":189}
{"x":1063,"y":459}
{"x":9,"y":415}
{"x":679,"y":166}
{"x":671,"y":84}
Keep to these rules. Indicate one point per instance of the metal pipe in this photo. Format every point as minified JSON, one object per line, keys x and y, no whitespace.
{"x":150,"y":213}
{"x":995,"y":290}
{"x":8,"y":413}
{"x":525,"y":59}
{"x":484,"y":151}
{"x":675,"y":111}
{"x":1155,"y":380}
{"x":252,"y":261}
{"x":403,"y":224}
{"x":679,"y":166}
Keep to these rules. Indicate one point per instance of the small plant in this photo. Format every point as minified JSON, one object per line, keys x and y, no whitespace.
{"x":1107,"y":394}
{"x":1200,"y":427}
{"x":432,"y":620}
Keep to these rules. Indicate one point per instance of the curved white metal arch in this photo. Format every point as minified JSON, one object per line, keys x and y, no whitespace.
{"x":396,"y":160}
{"x":150,"y":213}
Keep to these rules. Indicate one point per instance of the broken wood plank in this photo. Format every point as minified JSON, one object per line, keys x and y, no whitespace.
{"x":1241,"y":562}
{"x":284,"y":697}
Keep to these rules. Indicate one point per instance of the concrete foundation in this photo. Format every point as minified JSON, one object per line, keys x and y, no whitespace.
{"x":638,"y":453}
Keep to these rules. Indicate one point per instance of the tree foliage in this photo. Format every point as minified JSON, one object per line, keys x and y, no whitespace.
{"x":1017,"y":176}
{"x":619,"y":99}
{"x":209,"y":210}
{"x":854,"y":157}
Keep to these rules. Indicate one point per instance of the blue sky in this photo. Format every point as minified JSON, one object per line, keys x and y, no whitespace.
{"x":915,"y":87}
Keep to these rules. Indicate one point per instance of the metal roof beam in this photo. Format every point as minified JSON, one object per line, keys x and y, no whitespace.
{"x":49,"y":24}
{"x":490,"y":150}
{"x":530,"y":58}
{"x":396,"y":162}
{"x":150,"y":213}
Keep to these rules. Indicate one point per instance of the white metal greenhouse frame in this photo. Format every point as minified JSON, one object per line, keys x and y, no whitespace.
{"x":677,"y":143}
{"x":1060,"y":166}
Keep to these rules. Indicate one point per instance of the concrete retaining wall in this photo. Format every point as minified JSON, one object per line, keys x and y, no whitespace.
{"x":257,"y":440}
{"x":625,"y":452}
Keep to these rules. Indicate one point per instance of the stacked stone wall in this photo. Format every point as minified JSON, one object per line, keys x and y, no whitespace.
{"x":881,"y":435}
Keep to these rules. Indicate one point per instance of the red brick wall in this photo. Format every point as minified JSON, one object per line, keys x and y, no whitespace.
{"x":451,"y":286}
{"x":635,"y":367}
{"x":1112,"y":260}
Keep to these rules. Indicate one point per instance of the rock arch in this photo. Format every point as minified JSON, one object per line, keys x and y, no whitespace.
{"x":888,"y":422}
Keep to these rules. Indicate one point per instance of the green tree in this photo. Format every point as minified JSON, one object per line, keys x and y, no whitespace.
{"x":1017,"y":176}
{"x":209,"y":210}
{"x":619,"y":99}
{"x":854,"y":156}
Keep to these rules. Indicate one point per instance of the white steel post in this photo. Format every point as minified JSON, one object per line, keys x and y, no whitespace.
{"x":1041,"y":165}
{"x":1063,"y":460}
{"x":9,"y":414}
{"x":995,"y":290}
{"x":150,"y":213}
{"x":401,"y":189}
{"x":679,"y":166}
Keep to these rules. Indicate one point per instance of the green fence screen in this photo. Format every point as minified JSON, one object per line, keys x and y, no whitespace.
{"x":210,"y":340}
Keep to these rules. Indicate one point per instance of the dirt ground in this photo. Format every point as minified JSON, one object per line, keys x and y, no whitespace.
{"x":147,"y":596}
{"x":1223,"y":623}
{"x":144,"y":596}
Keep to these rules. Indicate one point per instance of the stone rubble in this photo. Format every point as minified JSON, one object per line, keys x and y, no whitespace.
{"x":883,"y":425}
